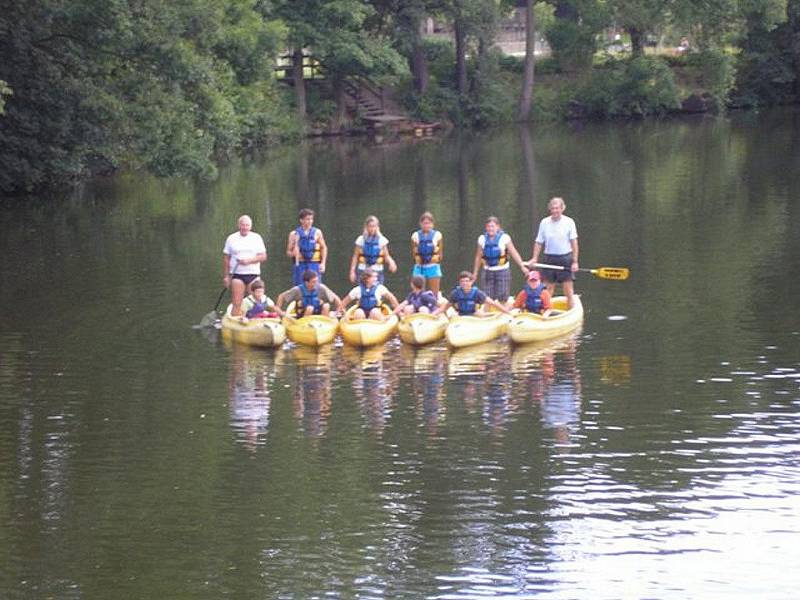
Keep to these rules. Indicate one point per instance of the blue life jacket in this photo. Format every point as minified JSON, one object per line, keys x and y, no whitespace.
{"x":533,"y":302}
{"x":465,"y":302}
{"x":424,"y":298}
{"x":307,"y":244}
{"x":492,"y":254}
{"x":368,"y":299}
{"x":371,"y":251}
{"x":310,"y":298}
{"x":425,"y":246}
{"x":258,"y":308}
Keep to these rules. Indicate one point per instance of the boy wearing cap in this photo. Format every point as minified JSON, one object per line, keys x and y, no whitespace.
{"x":534,"y":297}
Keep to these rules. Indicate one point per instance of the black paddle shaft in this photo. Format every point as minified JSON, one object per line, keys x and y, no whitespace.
{"x":221,"y":294}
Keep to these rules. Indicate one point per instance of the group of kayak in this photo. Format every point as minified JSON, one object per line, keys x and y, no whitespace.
{"x":308,"y":313}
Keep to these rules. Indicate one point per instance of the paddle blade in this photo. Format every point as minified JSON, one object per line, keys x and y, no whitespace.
{"x":209,"y":320}
{"x":618,"y":273}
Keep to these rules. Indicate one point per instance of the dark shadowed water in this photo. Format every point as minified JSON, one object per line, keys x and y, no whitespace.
{"x":653,"y":454}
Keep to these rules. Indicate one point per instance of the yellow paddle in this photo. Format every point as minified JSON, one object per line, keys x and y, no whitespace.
{"x":618,"y":273}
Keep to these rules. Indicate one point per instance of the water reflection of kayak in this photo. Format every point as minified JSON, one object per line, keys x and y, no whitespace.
{"x":367,"y":332}
{"x":363,"y":357}
{"x":267,"y":333}
{"x":470,"y":330}
{"x":528,"y":327}
{"x":313,"y":357}
{"x":315,"y":330}
{"x":476,"y":358}
{"x":527,"y":357}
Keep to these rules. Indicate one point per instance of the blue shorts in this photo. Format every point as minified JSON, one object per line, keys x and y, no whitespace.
{"x":299,"y":269}
{"x":430,"y":271}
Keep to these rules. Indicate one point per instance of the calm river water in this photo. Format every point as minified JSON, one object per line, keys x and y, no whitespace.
{"x":654,"y":454}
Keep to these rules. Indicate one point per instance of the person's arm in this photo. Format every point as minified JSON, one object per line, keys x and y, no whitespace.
{"x":347,"y":301}
{"x":353,"y":263}
{"x":477,"y":264}
{"x":400,"y":307}
{"x":226,"y":273}
{"x":520,"y":299}
{"x":442,"y":307}
{"x":537,"y":249}
{"x":392,"y":300}
{"x":547,"y":305}
{"x":512,"y":250}
{"x":441,"y":249}
{"x":291,"y":245}
{"x":389,"y":260}
{"x":574,"y":244}
{"x":323,"y":251}
{"x":498,"y":305}
{"x":281,"y":302}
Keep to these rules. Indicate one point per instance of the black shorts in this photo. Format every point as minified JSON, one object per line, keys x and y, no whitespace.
{"x":247,"y":279}
{"x":557,"y":276}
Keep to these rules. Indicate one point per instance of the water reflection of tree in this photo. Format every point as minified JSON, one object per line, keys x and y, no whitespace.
{"x":251,"y":377}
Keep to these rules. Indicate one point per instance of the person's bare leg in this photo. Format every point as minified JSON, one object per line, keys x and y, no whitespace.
{"x":569,"y":291}
{"x":237,"y":295}
{"x":326,"y":309}
{"x":433,"y":285}
{"x":376,"y":315}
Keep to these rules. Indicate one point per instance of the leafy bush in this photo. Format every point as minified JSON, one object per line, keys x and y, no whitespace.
{"x":441,"y":56}
{"x":631,"y":87}
{"x":717,"y":74}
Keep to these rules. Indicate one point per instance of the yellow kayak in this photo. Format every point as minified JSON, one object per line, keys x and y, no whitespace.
{"x":366,"y":332}
{"x":421,"y":328}
{"x":316,"y":330}
{"x":528,"y":327}
{"x":469,"y":330}
{"x":267,"y":333}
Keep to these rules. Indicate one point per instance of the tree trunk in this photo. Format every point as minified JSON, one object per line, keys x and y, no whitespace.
{"x":419,"y":62}
{"x":793,"y":15}
{"x":461,"y":58}
{"x":637,"y":41}
{"x":419,"y":67}
{"x":526,"y":97}
{"x":299,"y":83}
{"x":339,"y":117}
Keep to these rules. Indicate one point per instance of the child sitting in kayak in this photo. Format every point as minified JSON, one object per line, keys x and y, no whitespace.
{"x":310,"y":297}
{"x":257,"y":305}
{"x":419,"y":300}
{"x":370,"y":295}
{"x":468,"y":299}
{"x":534,"y":297}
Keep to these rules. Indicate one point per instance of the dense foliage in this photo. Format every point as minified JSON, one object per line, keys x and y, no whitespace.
{"x":173,"y":86}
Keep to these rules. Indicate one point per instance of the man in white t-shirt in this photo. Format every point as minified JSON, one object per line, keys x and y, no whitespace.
{"x":558,"y":237}
{"x":242,"y":256}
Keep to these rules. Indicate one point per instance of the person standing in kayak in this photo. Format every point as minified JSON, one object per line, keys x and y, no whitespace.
{"x":242,"y":256}
{"x":493,"y":250}
{"x":427,"y":251}
{"x":371,"y":252}
{"x":307,"y":248}
{"x":558,"y":237}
